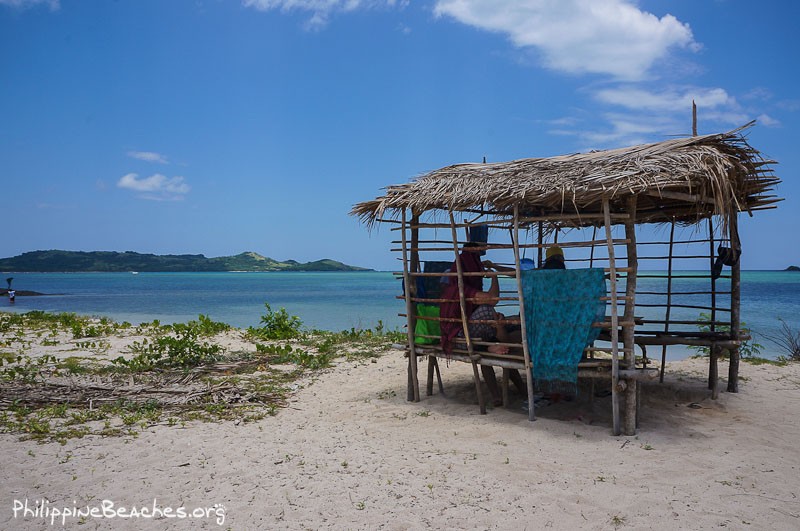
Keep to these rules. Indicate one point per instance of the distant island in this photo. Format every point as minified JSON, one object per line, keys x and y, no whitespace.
{"x":55,"y":261}
{"x":792,"y":268}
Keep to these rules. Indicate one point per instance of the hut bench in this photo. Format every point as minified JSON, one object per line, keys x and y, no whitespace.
{"x":588,"y":366}
{"x":599,"y":208}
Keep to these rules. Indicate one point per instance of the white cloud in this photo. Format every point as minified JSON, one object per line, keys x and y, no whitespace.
{"x":321,"y":10}
{"x":148,"y":156}
{"x":621,"y":130}
{"x":768,"y":120}
{"x":611,"y":37}
{"x":675,"y":99}
{"x":758,"y":93}
{"x":156,"y":187}
{"x":23,"y":4}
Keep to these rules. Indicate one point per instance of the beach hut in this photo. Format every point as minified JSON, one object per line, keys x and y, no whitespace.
{"x":660,"y":220}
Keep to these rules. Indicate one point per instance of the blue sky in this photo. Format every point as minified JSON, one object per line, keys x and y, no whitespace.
{"x":222,"y":126}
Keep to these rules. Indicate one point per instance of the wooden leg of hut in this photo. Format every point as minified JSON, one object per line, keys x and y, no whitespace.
{"x":433,"y":366}
{"x":733,"y":371}
{"x":631,"y":408}
{"x":410,"y":393}
{"x":438,"y":375}
{"x":476,"y":376}
{"x":429,"y":383}
{"x":713,"y":373}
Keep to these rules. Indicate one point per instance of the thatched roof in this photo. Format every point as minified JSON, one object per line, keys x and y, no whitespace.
{"x":683,"y":178}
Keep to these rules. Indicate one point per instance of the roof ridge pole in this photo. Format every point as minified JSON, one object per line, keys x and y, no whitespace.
{"x":612,"y":266}
{"x":464,"y":317}
{"x":629,"y":326}
{"x":521,"y":295}
{"x":413,"y":381}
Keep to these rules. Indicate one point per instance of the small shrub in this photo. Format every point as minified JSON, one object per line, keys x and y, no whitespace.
{"x":748,"y":349}
{"x":287,"y":354}
{"x":277,"y":325}
{"x":204,"y":326}
{"x":788,"y":340}
{"x":182,"y":351}
{"x":24,"y":368}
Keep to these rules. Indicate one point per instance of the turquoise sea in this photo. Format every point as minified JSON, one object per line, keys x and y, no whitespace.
{"x":336,"y":301}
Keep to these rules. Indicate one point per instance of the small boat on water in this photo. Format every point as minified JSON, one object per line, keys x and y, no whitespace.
{"x":134,"y":272}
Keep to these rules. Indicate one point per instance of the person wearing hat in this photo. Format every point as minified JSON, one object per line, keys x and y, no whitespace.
{"x":484,"y":320}
{"x":554,"y":258}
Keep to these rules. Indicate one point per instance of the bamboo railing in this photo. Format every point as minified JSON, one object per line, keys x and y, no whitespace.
{"x":641,"y":318}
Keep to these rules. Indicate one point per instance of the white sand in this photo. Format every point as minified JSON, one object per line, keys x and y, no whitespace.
{"x":351,"y":453}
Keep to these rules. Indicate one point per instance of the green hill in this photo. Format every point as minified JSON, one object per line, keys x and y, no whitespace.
{"x":111,"y":261}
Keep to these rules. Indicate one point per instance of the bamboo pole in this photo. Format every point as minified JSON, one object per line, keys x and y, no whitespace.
{"x":587,"y":372}
{"x":502,"y":273}
{"x":499,"y":222}
{"x":539,"y":246}
{"x":669,"y":298}
{"x":614,"y":320}
{"x":413,"y":381}
{"x":628,"y":331}
{"x":465,"y":317}
{"x":736,"y":287}
{"x":525,"y":350}
{"x":714,"y":352}
{"x":506,"y":246}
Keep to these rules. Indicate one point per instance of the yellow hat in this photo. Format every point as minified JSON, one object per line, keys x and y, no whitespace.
{"x":554,"y":250}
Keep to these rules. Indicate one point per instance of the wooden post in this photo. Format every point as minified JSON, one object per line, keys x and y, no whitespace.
{"x":736,"y":288}
{"x":628,"y":331}
{"x":464,"y":317}
{"x":539,"y":263}
{"x":521,"y":295}
{"x":614,"y":320}
{"x":413,"y":381}
{"x":669,"y":297}
{"x":712,"y":355}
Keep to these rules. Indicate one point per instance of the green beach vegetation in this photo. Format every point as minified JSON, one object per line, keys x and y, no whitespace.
{"x":64,"y":375}
{"x":787,"y":340}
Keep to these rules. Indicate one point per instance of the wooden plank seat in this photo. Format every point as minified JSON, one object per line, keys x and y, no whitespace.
{"x":589,"y":366}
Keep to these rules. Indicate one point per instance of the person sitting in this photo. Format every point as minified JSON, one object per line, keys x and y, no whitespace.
{"x":554,"y":258}
{"x":480,"y":306}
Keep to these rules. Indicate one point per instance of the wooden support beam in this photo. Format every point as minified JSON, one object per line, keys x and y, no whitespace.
{"x":529,"y":368}
{"x":628,"y":331}
{"x":413,"y":380}
{"x":614,"y":322}
{"x":736,"y":289}
{"x":464,"y":317}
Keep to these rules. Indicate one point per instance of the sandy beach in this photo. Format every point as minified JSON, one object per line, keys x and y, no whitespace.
{"x":349,"y":452}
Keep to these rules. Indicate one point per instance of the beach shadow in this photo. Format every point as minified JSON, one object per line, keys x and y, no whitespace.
{"x":676,"y":406}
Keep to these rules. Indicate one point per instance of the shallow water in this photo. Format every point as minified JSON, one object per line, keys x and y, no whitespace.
{"x":339,"y":301}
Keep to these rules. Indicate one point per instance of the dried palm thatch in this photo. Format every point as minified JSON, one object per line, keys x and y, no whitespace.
{"x":685,"y":179}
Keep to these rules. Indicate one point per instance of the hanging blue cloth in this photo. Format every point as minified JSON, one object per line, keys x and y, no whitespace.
{"x":560,"y":307}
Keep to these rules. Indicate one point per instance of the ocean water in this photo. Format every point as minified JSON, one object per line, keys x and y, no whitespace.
{"x":327,"y":301}
{"x":340,"y":301}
